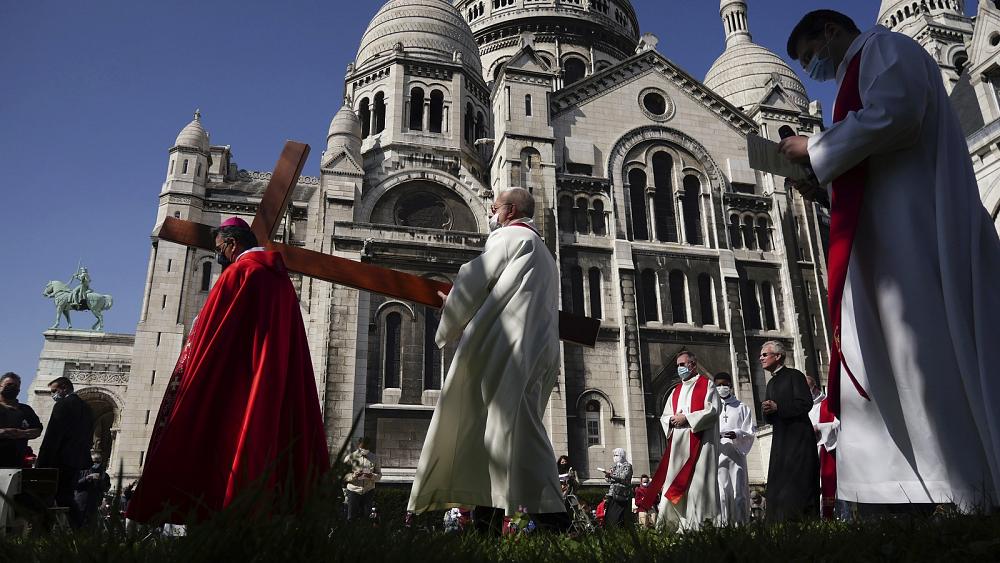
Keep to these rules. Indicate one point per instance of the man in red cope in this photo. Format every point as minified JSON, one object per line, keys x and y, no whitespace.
{"x":913,"y":264}
{"x":242,"y":400}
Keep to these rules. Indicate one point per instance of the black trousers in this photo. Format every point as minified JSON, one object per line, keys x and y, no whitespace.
{"x":489,"y":520}
{"x":360,"y":505}
{"x":65,"y":495}
{"x":617,"y":513}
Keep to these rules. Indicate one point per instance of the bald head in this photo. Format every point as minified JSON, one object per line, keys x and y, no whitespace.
{"x":520,"y":199}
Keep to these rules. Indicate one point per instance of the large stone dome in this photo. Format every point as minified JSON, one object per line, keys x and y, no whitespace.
{"x":894,"y":13}
{"x":742,"y":73}
{"x":345,"y":132}
{"x":430,"y":29}
{"x":193,"y":135}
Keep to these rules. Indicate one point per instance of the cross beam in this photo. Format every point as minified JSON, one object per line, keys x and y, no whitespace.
{"x":358,"y":275}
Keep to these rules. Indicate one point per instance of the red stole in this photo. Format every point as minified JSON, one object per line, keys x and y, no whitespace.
{"x":827,"y":467}
{"x":676,"y":491}
{"x":845,"y":210}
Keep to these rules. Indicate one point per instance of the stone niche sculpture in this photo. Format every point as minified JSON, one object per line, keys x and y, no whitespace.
{"x":78,"y":298}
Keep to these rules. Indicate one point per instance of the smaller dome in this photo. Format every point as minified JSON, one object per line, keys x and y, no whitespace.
{"x":429,"y":29}
{"x":741,"y":75}
{"x":345,"y":131}
{"x":193,"y":134}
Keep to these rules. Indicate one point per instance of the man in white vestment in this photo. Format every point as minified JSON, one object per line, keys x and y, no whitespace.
{"x":487,"y":445}
{"x":915,"y":340}
{"x":826,"y":426}
{"x":736,"y":433}
{"x":688,"y":474}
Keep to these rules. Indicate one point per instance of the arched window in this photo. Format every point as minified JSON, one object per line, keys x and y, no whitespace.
{"x":566,"y":214}
{"x":706,"y":300}
{"x":678,"y":296}
{"x":574,"y":70}
{"x":391,"y":352}
{"x":637,"y":197}
{"x":596,"y":310}
{"x":764,"y":234}
{"x":480,"y":126}
{"x":432,"y":354}
{"x":692,"y":209}
{"x":597,"y":219}
{"x":582,"y":216}
{"x":527,"y":105}
{"x":748,"y":236}
{"x":528,"y":174}
{"x":576,"y":289}
{"x":649,"y":305}
{"x":365,"y":113}
{"x":592,"y":412}
{"x":663,"y":199}
{"x":378,"y":115}
{"x":470,"y":123}
{"x":751,"y":307}
{"x":437,"y":111}
{"x":206,"y":276}
{"x":767,"y":298}
{"x":417,"y":109}
{"x":735,"y":236}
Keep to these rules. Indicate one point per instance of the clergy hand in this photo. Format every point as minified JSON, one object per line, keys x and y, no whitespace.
{"x":678,"y":420}
{"x":769,"y":407}
{"x":810,"y":190}
{"x":795,"y":149}
{"x":443,"y":296}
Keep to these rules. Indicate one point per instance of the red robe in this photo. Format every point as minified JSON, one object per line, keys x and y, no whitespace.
{"x":241,"y":407}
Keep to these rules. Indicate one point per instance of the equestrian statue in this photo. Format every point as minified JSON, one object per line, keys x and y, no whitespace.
{"x":79,"y":298}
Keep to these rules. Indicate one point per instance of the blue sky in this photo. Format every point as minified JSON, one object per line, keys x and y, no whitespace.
{"x":94,"y":94}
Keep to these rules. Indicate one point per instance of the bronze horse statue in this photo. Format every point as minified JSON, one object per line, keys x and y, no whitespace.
{"x":94,"y":302}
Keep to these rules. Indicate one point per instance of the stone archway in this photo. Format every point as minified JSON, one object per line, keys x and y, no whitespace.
{"x":106,"y":409}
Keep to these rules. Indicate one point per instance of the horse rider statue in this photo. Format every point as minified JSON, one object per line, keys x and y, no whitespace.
{"x":79,"y":298}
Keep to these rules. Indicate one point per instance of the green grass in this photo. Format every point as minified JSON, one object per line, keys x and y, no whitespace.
{"x":318,"y":533}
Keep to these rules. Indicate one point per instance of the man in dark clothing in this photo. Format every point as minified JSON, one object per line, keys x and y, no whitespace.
{"x":793,"y":475}
{"x":91,"y":486}
{"x":67,"y":442}
{"x":18,"y":423}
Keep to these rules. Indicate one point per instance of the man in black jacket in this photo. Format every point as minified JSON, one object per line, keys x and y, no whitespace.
{"x":67,"y":442}
{"x":793,"y":474}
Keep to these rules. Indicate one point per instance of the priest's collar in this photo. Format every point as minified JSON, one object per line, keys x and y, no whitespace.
{"x":856,"y":46}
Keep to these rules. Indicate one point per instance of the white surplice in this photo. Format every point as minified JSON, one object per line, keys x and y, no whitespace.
{"x":826,"y":432}
{"x":702,"y":499}
{"x":734,"y":483}
{"x":921,"y":301}
{"x":487,"y":444}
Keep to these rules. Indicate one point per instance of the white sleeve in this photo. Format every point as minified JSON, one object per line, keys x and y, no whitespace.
{"x":747,"y":433}
{"x":895,"y":90}
{"x":473,"y":284}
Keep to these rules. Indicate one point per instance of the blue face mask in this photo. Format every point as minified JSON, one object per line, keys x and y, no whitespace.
{"x":683,"y":372}
{"x":822,"y":69}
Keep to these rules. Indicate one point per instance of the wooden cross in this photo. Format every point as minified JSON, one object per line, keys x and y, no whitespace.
{"x":367,"y":277}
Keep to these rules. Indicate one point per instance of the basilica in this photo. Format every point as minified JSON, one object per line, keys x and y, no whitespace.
{"x":644,"y":194}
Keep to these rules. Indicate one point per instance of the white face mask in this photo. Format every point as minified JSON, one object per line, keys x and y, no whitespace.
{"x":725,"y":391}
{"x":684,"y":373}
{"x":495,"y":222}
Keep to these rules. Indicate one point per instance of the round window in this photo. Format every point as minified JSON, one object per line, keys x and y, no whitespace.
{"x":995,"y":39}
{"x":655,"y":103}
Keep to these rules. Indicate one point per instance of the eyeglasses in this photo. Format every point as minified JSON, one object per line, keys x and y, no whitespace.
{"x":494,"y":208}
{"x":223,"y":245}
{"x":766,"y":354}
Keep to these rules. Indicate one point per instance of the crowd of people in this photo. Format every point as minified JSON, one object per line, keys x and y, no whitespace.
{"x":82,"y":481}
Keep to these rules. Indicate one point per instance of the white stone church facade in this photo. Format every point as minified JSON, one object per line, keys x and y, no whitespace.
{"x":645,"y":196}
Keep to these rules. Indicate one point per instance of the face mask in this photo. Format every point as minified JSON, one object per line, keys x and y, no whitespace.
{"x":645,"y":483}
{"x":495,"y":222}
{"x":10,"y":393}
{"x":683,"y":372}
{"x":57,"y":396}
{"x":821,"y":69}
{"x":222,"y":260}
{"x":618,"y":458}
{"x":724,"y":391}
